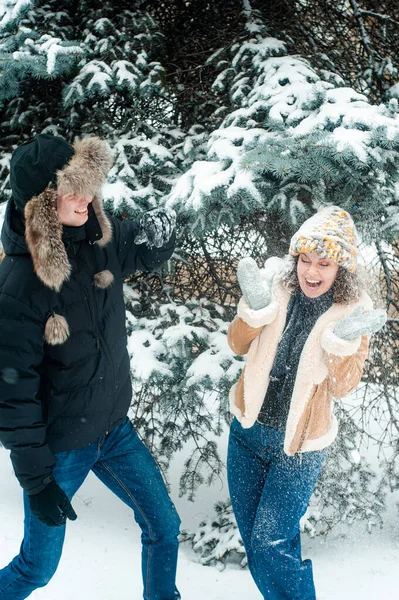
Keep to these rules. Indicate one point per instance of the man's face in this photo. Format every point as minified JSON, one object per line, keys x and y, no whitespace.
{"x":73,"y":210}
{"x":316,"y":274}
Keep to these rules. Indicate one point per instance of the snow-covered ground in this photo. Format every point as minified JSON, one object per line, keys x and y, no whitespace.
{"x":101,"y":558}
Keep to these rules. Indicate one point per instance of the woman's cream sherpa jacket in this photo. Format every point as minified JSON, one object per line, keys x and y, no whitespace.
{"x":329,"y":367}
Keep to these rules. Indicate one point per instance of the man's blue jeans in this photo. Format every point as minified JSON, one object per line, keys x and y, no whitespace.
{"x":270,"y":492}
{"x":122,"y":462}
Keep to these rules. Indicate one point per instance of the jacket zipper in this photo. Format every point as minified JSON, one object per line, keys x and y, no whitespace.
{"x":100,"y":341}
{"x":93,"y":323}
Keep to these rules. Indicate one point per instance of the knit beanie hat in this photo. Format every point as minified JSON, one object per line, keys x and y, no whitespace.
{"x":330,"y":233}
{"x":34,"y":165}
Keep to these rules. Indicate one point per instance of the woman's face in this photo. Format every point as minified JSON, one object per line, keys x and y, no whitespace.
{"x":73,"y":210}
{"x":316,"y":275}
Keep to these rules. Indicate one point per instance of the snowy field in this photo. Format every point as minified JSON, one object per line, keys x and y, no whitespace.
{"x":101,"y":558}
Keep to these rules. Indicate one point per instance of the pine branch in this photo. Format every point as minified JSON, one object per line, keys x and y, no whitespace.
{"x":388,"y":281}
{"x":378,"y":16}
{"x":365,"y":38}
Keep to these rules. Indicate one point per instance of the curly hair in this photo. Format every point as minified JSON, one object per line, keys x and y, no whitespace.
{"x":347,"y":286}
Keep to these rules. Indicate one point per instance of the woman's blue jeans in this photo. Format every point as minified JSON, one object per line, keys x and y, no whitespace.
{"x":122,"y":462}
{"x":270,"y":492}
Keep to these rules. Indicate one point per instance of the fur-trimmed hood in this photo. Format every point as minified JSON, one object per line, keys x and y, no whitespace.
{"x":84,"y":174}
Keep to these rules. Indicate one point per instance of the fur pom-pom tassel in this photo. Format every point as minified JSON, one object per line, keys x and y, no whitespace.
{"x":103,"y":279}
{"x":56,"y":330}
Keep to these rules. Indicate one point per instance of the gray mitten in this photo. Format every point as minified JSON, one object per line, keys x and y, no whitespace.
{"x":156,"y":227}
{"x":255,"y":288}
{"x":359,"y":323}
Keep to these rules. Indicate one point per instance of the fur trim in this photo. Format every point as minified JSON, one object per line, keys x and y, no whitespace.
{"x":246,"y":422}
{"x":2,"y":254}
{"x":257,"y":318}
{"x":85,"y":174}
{"x":87,"y":170}
{"x":103,"y":279}
{"x":43,"y":234}
{"x":256,"y":378}
{"x":333,"y":344}
{"x":56,"y":330}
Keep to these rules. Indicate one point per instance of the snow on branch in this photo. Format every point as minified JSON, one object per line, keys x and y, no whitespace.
{"x":247,"y":6}
{"x":53,"y":49}
{"x":10,"y":11}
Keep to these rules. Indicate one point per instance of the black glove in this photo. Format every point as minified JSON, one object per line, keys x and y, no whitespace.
{"x":156,"y":227}
{"x":52,"y":506}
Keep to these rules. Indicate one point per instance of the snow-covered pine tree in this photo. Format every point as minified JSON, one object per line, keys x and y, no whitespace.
{"x":36,"y":51}
{"x":182,"y":369}
{"x":357,"y":39}
{"x":120,"y":82}
{"x":111,"y":78}
{"x":292,"y":142}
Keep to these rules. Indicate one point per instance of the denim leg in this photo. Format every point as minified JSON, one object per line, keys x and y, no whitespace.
{"x":41,"y":548}
{"x":275,"y":540}
{"x":127,"y":468}
{"x":246,"y":475}
{"x":270,"y":492}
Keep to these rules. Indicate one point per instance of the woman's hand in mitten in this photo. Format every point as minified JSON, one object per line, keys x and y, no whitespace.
{"x":359,"y":323}
{"x":255,"y":288}
{"x":156,"y":227}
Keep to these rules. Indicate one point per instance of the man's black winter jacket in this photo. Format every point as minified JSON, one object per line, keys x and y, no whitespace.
{"x":62,"y":397}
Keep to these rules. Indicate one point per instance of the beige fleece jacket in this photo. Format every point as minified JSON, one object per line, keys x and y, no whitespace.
{"x":329,"y":367}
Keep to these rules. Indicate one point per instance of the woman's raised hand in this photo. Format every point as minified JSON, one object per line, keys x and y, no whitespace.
{"x":359,"y":323}
{"x":255,"y":288}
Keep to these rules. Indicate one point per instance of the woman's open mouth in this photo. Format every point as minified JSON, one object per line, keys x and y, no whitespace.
{"x":313,"y":284}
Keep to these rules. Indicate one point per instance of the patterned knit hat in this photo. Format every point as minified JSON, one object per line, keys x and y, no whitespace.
{"x":330,"y":233}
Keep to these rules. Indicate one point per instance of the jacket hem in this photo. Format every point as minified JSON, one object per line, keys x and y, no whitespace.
{"x":232,"y":403}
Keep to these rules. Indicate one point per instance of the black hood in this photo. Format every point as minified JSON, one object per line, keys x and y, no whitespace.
{"x":12,"y":237}
{"x":34,"y":165}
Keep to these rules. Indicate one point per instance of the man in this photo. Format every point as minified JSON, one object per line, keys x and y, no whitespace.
{"x":64,"y":368}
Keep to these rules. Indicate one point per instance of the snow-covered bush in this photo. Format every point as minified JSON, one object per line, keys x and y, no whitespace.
{"x":217,"y":540}
{"x":182,"y":369}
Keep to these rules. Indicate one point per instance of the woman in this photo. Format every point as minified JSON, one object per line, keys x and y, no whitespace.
{"x":305,"y":346}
